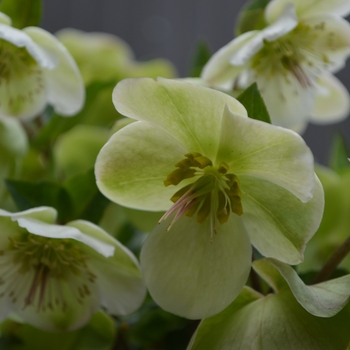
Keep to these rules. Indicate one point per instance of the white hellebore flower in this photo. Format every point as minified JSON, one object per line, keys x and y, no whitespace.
{"x":36,"y":70}
{"x":55,"y":277}
{"x":291,"y":60}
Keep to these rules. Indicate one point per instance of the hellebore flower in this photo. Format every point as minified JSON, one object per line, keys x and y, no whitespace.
{"x":36,"y":70}
{"x":291,"y":60}
{"x":55,"y":277}
{"x":225,"y":180}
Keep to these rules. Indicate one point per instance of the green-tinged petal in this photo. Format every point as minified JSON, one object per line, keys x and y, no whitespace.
{"x":331,"y":42}
{"x":254,"y":148}
{"x":332,"y":101}
{"x":76,"y":150}
{"x":131,"y":167}
{"x":75,"y":314}
{"x":273,"y":322}
{"x":4,"y":19}
{"x":66,"y":90}
{"x":287,"y":101}
{"x":283,"y":25}
{"x":119,"y":279}
{"x":191,"y":276}
{"x":219,"y":71}
{"x":44,"y":214}
{"x":58,"y":231}
{"x":323,"y":300}
{"x":307,"y":8}
{"x":288,"y":224}
{"x":13,"y":139}
{"x":190,"y":114}
{"x":100,"y":56}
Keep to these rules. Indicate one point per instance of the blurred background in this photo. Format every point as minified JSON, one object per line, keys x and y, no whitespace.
{"x":171,"y":29}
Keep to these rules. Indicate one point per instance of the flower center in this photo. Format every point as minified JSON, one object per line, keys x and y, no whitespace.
{"x":44,"y":263}
{"x":214,"y":194}
{"x":295,"y":52}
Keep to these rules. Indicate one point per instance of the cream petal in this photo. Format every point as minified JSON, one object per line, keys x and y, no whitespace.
{"x":219,"y":71}
{"x":4,"y":19}
{"x":306,"y":8}
{"x":278,"y":223}
{"x":332,"y":101}
{"x":191,"y":114}
{"x":188,"y":275}
{"x":66,"y":90}
{"x":131,"y":167}
{"x":254,"y":148}
{"x":44,"y":214}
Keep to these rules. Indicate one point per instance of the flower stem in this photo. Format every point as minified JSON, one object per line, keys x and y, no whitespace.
{"x":333,"y":262}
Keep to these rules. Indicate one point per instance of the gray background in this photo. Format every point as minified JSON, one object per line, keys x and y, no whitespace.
{"x":171,"y":29}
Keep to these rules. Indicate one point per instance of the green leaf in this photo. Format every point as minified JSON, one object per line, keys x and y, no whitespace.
{"x":87,"y":201}
{"x":254,"y":104}
{"x":41,"y":193}
{"x":273,"y":322}
{"x":200,"y":58}
{"x":339,"y":154}
{"x":99,"y":334}
{"x":251,"y":17}
{"x":24,"y":13}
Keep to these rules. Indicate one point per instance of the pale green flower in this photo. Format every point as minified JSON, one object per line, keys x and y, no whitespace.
{"x":291,"y":60}
{"x":36,"y":70}
{"x":55,"y":277}
{"x":233,"y":180}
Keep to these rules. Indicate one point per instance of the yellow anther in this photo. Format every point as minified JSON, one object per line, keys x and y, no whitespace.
{"x":223,"y":168}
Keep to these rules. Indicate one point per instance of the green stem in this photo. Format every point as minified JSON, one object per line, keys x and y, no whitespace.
{"x":333,"y":262}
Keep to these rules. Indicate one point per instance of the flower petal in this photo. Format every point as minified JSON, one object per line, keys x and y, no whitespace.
{"x":4,"y":19}
{"x":57,"y":231}
{"x":131,"y":167}
{"x":307,"y":8}
{"x":45,"y":214}
{"x":19,"y":38}
{"x":66,"y":90}
{"x":287,"y":101}
{"x":323,"y":300}
{"x":279,"y":225}
{"x":188,"y":275}
{"x":119,"y":279}
{"x":254,"y":148}
{"x":283,"y":25}
{"x":332,"y":101}
{"x":219,"y":71}
{"x":191,"y":114}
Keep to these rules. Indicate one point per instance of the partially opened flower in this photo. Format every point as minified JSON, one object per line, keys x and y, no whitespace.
{"x":225,"y":180}
{"x":36,"y":70}
{"x":291,"y":60}
{"x":55,"y":277}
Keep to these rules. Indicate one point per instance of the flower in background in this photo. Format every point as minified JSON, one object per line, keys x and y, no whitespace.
{"x":55,"y":277}
{"x":106,"y":57}
{"x":291,"y":60}
{"x":224,"y":179}
{"x":36,"y":70}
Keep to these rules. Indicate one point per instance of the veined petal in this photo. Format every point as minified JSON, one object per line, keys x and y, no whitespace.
{"x":188,"y":275}
{"x":19,"y":38}
{"x":254,"y":148}
{"x":67,"y":317}
{"x":332,"y":101}
{"x":119,"y":279}
{"x":66,"y":90}
{"x":288,"y":223}
{"x":219,"y":71}
{"x":306,"y":8}
{"x":283,"y":25}
{"x":287,"y":101}
{"x":191,"y":114}
{"x":131,"y":167}
{"x":58,"y":231}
